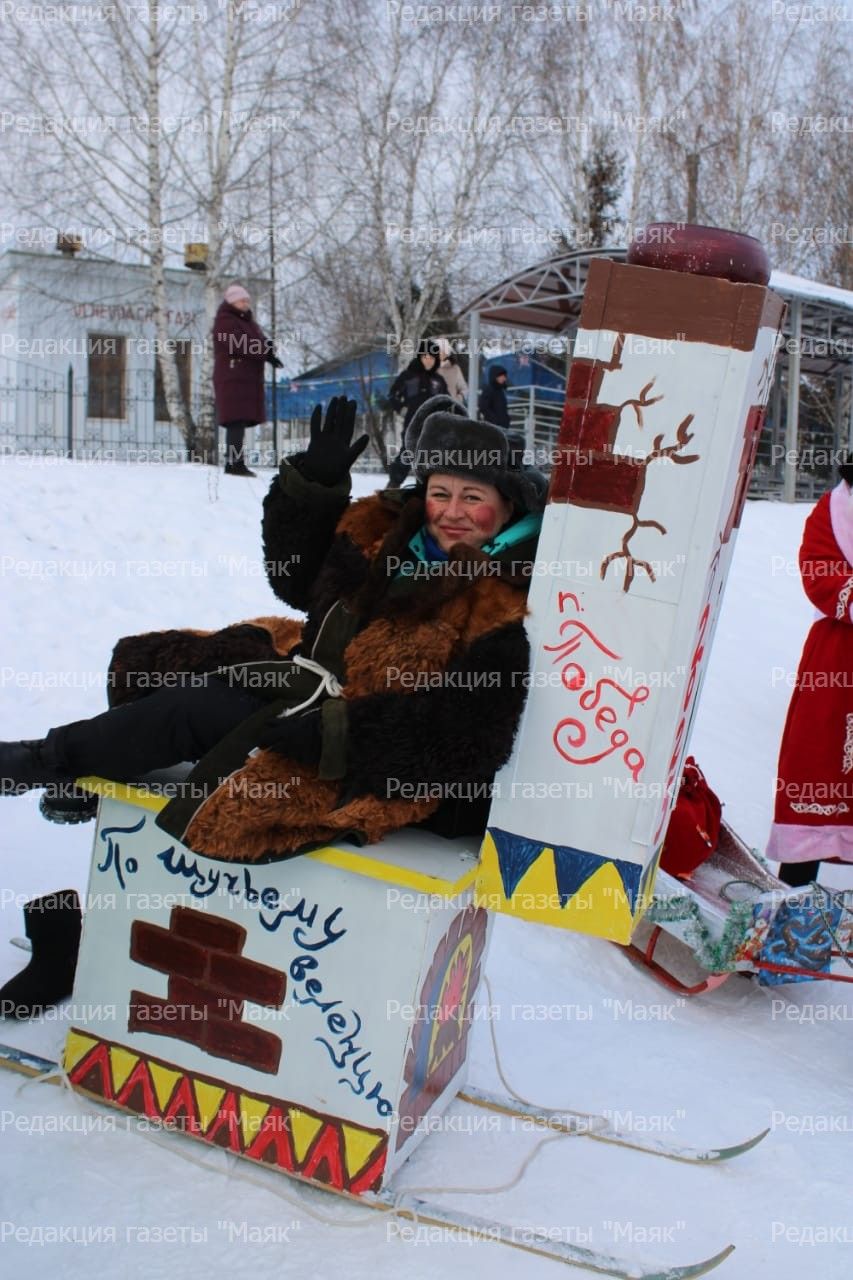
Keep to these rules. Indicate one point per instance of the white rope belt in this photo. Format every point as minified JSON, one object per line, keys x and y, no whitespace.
{"x":328,"y":684}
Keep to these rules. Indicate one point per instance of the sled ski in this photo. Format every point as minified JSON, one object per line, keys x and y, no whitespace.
{"x":541,"y":1243}
{"x":527,"y":1239}
{"x":27,"y":1064}
{"x":599,"y":1129}
{"x":32,"y":1064}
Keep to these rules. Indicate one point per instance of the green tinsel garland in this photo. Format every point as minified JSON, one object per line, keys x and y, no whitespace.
{"x":715,"y":957}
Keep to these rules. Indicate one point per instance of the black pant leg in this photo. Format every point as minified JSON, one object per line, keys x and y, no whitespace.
{"x":797,"y":874}
{"x":154,"y":732}
{"x":235,"y":433}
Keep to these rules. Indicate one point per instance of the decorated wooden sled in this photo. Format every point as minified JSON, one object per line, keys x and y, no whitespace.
{"x":312,"y":1015}
{"x":734,"y":916}
{"x":308,"y":1014}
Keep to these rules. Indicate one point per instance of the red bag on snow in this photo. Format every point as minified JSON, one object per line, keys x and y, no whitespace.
{"x":694,"y":825}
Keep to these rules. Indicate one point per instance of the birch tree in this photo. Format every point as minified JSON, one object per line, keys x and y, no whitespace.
{"x":244,"y":146}
{"x":137,"y":141}
{"x":571,"y":127}
{"x":707,"y":76}
{"x":420,"y":121}
{"x":810,"y":194}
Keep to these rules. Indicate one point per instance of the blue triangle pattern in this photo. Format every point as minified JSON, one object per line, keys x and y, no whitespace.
{"x":573,"y":867}
{"x":516,"y":855}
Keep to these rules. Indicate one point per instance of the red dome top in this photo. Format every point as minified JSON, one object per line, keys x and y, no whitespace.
{"x":703,"y":251}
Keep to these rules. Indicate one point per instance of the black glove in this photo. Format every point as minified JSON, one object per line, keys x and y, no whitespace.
{"x":298,"y":737}
{"x":330,"y":455}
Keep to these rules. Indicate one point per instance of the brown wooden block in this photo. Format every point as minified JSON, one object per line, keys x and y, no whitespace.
{"x":241,"y":1042}
{"x":237,"y":976}
{"x":672,"y":304}
{"x":584,"y":382}
{"x":589,"y":427}
{"x":159,"y":949}
{"x":209,"y":931}
{"x":199,"y":996}
{"x":611,"y":483}
{"x":165,"y":1018}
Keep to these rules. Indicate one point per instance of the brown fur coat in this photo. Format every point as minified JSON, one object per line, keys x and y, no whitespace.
{"x":432,"y":660}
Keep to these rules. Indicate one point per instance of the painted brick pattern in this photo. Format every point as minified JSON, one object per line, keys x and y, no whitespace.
{"x":200,"y":996}
{"x":209,"y":931}
{"x":209,"y":982}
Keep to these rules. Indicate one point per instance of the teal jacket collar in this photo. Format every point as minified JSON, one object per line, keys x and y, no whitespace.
{"x":519,"y":531}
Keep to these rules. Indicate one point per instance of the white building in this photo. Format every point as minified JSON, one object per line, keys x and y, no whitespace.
{"x":78,"y":369}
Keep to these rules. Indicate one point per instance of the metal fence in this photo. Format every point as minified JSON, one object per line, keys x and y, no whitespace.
{"x":819,"y":444}
{"x":45,"y":412}
{"x":536,"y":412}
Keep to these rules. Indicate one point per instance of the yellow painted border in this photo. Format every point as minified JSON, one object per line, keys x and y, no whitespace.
{"x":600,"y":907}
{"x":344,"y":859}
{"x":128,"y":793}
{"x":363,"y":865}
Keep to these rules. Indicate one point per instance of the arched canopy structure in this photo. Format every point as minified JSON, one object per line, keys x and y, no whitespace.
{"x":546,"y":298}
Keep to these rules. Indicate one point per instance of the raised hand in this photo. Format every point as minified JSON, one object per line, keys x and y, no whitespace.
{"x":330,"y":453}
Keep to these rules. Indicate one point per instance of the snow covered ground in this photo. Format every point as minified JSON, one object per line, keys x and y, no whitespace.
{"x":136,"y":548}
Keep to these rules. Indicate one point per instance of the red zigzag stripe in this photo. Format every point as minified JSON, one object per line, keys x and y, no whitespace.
{"x":324,"y":1160}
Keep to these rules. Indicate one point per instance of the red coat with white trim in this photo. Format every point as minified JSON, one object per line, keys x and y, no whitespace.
{"x":814,"y":788}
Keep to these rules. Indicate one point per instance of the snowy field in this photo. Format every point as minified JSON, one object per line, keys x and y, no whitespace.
{"x":708,"y":1071}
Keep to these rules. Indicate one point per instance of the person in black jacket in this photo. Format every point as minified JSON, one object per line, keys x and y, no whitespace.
{"x":418,"y":382}
{"x":493,"y":406}
{"x":400,"y":692}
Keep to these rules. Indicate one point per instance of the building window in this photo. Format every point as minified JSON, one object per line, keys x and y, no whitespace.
{"x":105,"y":381}
{"x":183,"y":348}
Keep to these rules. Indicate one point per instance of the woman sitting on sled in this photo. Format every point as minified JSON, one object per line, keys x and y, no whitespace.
{"x":401,"y":691}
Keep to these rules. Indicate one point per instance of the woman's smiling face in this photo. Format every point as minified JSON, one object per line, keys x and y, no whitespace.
{"x":459,"y":509}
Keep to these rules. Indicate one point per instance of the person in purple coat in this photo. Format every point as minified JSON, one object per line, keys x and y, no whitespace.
{"x":240,"y":351}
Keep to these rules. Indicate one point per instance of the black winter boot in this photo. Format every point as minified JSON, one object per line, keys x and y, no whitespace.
{"x":68,"y":806}
{"x":53,"y":925}
{"x":31,"y":763}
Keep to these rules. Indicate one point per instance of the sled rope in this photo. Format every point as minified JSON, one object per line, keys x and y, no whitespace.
{"x":397,"y":1207}
{"x":724,"y":891}
{"x":478,"y":1191}
{"x":596,"y":1123}
{"x":61,"y":1077}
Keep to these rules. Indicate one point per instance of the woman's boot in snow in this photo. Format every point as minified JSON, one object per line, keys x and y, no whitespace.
{"x":52,"y":924}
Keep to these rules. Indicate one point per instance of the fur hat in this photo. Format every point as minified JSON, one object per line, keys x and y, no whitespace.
{"x":441,"y":438}
{"x":236,"y":293}
{"x":429,"y":347}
